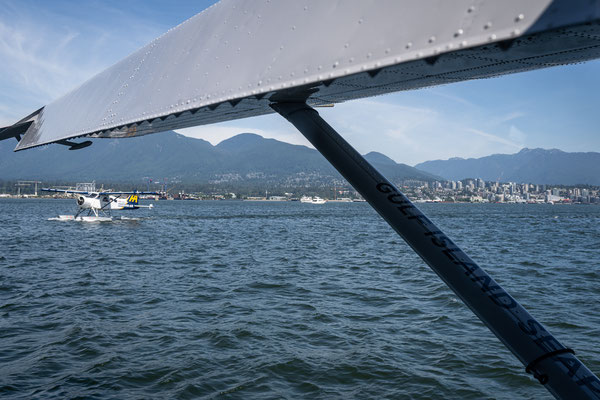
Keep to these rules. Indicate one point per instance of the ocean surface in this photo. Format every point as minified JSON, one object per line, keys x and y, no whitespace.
{"x":270,"y":300}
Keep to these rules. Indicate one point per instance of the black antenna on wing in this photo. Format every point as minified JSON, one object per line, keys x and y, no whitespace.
{"x":75,"y":146}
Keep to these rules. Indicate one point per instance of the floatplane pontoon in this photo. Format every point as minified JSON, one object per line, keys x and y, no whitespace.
{"x":242,"y":59}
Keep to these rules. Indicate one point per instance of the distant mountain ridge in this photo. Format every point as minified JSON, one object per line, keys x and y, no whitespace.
{"x":538,"y":166}
{"x":243,"y":159}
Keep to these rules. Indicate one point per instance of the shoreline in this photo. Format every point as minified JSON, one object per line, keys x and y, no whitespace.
{"x":417,"y":201}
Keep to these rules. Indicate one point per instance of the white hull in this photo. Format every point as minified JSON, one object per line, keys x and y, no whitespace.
{"x":318,"y":200}
{"x":312,"y":200}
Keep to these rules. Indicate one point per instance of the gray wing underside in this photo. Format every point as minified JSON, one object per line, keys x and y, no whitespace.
{"x":235,"y":58}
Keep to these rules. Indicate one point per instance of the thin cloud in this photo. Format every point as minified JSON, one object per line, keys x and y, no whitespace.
{"x":376,"y":117}
{"x":46,"y":55}
{"x":509,"y":117}
{"x":494,"y":138}
{"x":454,"y":98}
{"x":516,"y":135}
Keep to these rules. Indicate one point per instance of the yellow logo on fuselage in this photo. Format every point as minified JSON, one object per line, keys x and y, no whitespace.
{"x":132,"y":199}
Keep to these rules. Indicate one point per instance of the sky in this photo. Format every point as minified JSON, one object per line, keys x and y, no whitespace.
{"x":50,"y":47}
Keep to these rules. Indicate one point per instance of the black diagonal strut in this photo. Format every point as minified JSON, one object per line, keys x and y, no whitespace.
{"x":545,"y":357}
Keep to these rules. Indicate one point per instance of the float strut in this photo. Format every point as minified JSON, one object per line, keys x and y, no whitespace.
{"x":554,"y":365}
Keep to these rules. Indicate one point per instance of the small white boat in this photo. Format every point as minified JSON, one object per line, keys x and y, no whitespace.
{"x":318,"y":200}
{"x":312,"y":200}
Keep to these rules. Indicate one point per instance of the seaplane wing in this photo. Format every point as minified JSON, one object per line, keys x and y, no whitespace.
{"x":100,"y":193}
{"x":67,"y":191}
{"x":124,"y":193}
{"x":235,"y":58}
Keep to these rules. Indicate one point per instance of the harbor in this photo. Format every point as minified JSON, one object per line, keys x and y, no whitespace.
{"x":462,"y":191}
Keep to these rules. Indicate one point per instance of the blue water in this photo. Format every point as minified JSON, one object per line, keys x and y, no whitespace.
{"x":243,"y":300}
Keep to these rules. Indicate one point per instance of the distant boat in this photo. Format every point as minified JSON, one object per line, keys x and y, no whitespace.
{"x":312,"y":200}
{"x":318,"y":200}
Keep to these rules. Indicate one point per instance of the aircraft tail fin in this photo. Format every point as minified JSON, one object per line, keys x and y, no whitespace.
{"x":132,"y":200}
{"x":14,"y":131}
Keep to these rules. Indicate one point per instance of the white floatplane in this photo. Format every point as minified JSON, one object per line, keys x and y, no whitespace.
{"x":99,"y":204}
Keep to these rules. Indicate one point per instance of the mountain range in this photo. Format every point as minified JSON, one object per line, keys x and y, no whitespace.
{"x":244,"y":159}
{"x":538,"y":166}
{"x":249,"y":159}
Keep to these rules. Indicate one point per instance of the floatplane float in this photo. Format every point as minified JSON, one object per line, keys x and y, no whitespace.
{"x":100,"y":204}
{"x":241,"y":59}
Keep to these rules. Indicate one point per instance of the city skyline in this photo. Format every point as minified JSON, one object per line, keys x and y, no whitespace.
{"x":53,"y":47}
